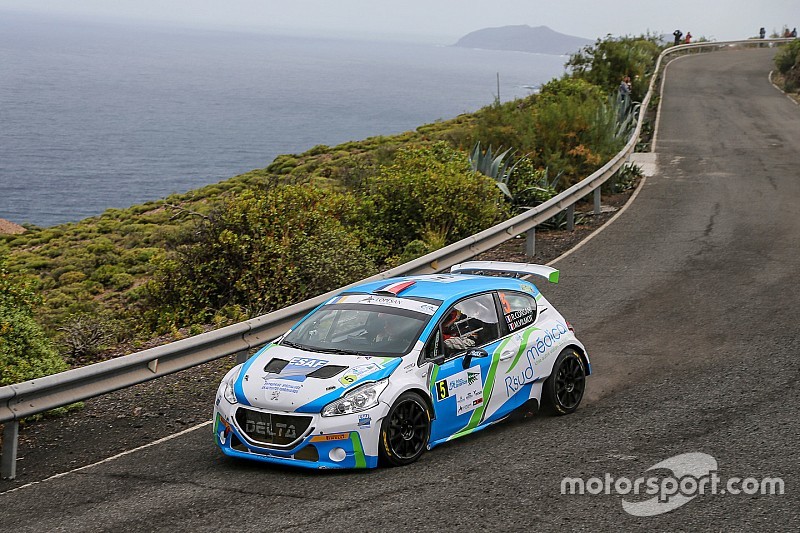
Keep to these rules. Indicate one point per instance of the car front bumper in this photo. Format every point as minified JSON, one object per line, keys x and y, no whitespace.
{"x":347,"y":441}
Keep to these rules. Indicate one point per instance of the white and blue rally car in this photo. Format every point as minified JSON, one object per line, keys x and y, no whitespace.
{"x":388,"y":369}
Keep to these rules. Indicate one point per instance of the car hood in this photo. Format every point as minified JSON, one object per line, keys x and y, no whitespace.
{"x":290,"y":379}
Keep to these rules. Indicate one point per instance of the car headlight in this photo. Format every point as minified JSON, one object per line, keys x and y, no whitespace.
{"x":359,"y":399}
{"x":227,"y":390}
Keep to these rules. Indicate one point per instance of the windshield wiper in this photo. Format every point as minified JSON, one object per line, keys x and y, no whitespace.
{"x":298,"y":346}
{"x":317,"y":349}
{"x":340,"y":351}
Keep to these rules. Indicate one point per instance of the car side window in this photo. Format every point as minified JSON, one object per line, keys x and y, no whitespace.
{"x":519,"y":310}
{"x":433,"y":348}
{"x":470,"y":322}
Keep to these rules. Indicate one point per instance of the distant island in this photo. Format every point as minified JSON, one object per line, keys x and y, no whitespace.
{"x":523,"y":38}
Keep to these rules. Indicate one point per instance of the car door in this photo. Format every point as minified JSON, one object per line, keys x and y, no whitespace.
{"x":517,"y":360}
{"x":461,"y":379}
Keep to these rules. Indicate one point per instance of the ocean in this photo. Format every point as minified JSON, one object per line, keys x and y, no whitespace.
{"x":99,"y":115}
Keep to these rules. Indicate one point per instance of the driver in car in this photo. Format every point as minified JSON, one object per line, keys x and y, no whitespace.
{"x":453,"y":339}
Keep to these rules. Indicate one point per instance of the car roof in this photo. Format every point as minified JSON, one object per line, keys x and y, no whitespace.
{"x":444,"y":287}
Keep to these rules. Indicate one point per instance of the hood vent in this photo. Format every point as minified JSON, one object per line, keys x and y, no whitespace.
{"x":275,"y":366}
{"x":327,"y":371}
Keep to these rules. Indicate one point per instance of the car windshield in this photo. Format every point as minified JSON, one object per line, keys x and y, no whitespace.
{"x":359,"y":329}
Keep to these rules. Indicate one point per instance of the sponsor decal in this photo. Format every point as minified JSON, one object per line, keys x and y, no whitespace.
{"x":534,"y":355}
{"x":364,"y":421}
{"x":466,"y":386}
{"x":357,"y":371}
{"x":519,"y":319}
{"x":297,"y":369}
{"x":221,"y":429}
{"x":268,"y":429}
{"x":387,"y":301}
{"x":328,"y":438}
{"x":278,"y":386}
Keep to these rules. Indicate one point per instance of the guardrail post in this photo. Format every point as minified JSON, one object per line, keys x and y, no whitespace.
{"x":571,"y":218}
{"x":597,"y":201}
{"x":530,"y":242}
{"x":8,"y":461}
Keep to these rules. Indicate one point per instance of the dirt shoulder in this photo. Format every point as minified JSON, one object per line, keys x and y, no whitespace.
{"x":138,"y":415}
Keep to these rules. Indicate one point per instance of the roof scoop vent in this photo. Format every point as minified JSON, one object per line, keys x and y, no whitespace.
{"x":395,"y":288}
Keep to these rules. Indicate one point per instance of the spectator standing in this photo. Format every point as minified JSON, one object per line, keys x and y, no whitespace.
{"x":787,"y":33}
{"x":794,"y":32}
{"x":688,"y":37}
{"x":625,"y":88}
{"x":678,"y":34}
{"x":762,"y":32}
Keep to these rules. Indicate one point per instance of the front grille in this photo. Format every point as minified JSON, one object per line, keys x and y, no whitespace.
{"x":271,"y":429}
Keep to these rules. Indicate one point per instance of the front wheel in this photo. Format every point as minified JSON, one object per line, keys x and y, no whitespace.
{"x":564,"y":389}
{"x":405,"y":430}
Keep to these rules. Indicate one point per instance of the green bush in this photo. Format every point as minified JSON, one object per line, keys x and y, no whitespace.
{"x":432,"y":189}
{"x":788,"y":56}
{"x":261,"y":251}
{"x":25,"y":352}
{"x":610,"y":59}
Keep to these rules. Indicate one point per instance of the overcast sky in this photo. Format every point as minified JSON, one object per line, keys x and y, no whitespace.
{"x":442,"y":21}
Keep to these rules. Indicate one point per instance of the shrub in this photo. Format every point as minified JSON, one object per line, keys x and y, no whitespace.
{"x":260,"y":252}
{"x":25,"y":352}
{"x":788,"y":56}
{"x":84,"y":335}
{"x":432,"y":189}
{"x":610,"y":59}
{"x":71,"y":277}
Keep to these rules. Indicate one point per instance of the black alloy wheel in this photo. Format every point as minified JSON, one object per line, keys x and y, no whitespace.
{"x":405,"y":430}
{"x":563,"y":390}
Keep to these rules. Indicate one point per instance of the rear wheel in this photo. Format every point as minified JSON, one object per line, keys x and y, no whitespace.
{"x":564,"y":389}
{"x":405,"y":430}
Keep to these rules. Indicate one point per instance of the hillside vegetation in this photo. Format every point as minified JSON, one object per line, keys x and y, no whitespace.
{"x":787,"y":61}
{"x":305,"y":224}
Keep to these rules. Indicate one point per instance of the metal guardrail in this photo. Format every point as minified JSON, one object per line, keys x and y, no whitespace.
{"x":39,"y":395}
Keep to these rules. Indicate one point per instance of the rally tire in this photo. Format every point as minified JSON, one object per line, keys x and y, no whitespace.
{"x":563,"y":390}
{"x":405,"y":430}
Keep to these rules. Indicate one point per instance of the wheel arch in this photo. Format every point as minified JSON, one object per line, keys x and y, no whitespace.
{"x":584,"y":357}
{"x":426,"y":396}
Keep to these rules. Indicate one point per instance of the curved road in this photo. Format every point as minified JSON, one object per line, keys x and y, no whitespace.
{"x":688,"y":304}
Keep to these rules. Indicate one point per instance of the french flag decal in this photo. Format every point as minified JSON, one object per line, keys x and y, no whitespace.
{"x":396,"y":288}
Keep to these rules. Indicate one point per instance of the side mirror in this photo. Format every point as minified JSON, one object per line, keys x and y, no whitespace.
{"x":473,"y":353}
{"x":439,"y":361}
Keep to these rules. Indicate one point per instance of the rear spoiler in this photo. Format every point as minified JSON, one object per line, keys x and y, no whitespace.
{"x":517,"y":269}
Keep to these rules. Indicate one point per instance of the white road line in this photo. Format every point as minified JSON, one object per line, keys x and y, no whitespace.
{"x":113,"y":457}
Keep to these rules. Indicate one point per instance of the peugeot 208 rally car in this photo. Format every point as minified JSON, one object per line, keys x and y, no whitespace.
{"x":388,"y":369}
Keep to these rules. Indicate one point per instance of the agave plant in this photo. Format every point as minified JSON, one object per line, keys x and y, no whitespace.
{"x":540,"y":189}
{"x":498,"y":167}
{"x":627,"y":113}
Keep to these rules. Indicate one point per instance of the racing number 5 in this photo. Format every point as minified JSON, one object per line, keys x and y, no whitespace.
{"x":441,"y":390}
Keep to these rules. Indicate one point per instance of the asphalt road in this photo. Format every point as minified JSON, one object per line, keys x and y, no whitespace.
{"x":688,"y":304}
